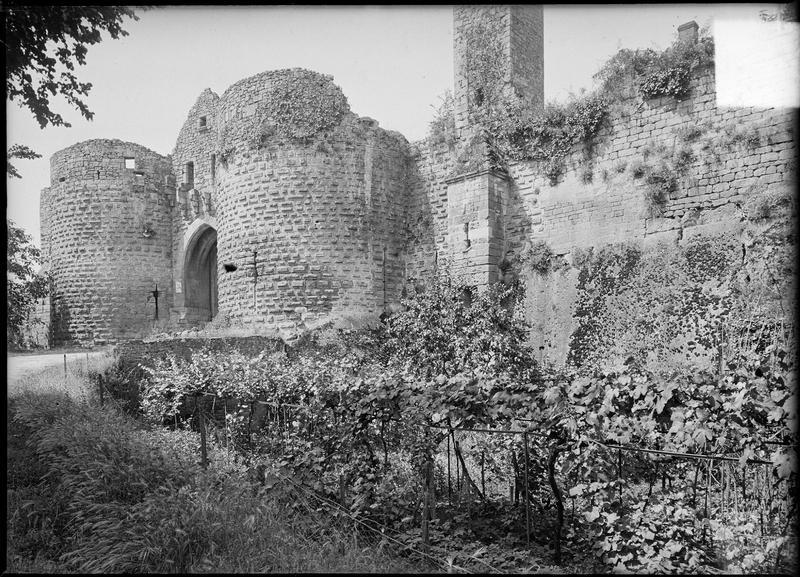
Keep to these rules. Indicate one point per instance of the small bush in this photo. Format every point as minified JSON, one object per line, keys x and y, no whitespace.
{"x":766,"y":204}
{"x":442,"y":129}
{"x":690,"y":133}
{"x":737,"y":135}
{"x":661,"y":181}
{"x":638,"y":168}
{"x":538,"y":257}
{"x":683,"y":158}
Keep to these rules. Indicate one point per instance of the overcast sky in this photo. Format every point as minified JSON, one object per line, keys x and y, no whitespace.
{"x":393,"y":64}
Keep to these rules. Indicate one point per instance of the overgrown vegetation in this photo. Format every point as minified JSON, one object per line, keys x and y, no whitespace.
{"x":360,"y":423}
{"x":514,"y":133}
{"x":442,"y":129}
{"x":370,"y":411}
{"x":538,"y":257}
{"x":91,"y":490}
{"x":23,"y":285}
{"x":653,"y":74}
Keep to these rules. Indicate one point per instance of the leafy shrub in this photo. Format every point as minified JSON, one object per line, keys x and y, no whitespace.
{"x":538,"y":257}
{"x":670,"y":73}
{"x":653,"y":74}
{"x":690,"y":132}
{"x":638,"y":168}
{"x":736,"y":134}
{"x":672,"y":81}
{"x":442,"y":129}
{"x":661,"y":181}
{"x":550,"y":136}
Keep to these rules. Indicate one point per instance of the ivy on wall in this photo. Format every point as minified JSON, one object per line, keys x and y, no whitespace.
{"x":680,"y":304}
{"x":652,"y":74}
{"x":514,"y":133}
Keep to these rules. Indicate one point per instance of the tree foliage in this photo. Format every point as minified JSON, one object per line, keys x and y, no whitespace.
{"x":23,"y":286}
{"x":43,"y":46}
{"x":18,"y":151}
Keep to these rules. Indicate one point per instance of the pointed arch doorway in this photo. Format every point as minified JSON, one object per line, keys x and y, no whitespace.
{"x":200,"y":275}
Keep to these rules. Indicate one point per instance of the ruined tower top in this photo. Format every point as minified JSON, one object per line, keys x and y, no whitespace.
{"x":498,"y":50}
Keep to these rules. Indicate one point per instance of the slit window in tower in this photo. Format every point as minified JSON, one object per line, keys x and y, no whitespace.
{"x":188,"y":174}
{"x":202,"y":123}
{"x":213,"y":168}
{"x":130,"y":163}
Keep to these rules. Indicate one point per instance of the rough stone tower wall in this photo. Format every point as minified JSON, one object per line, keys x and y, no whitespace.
{"x":107,"y":241}
{"x":320,"y":200}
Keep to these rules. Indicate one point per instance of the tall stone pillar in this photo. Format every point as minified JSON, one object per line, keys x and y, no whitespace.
{"x":498,"y":53}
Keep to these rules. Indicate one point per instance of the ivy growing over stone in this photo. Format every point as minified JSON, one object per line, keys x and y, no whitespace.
{"x":300,"y":105}
{"x":653,"y":74}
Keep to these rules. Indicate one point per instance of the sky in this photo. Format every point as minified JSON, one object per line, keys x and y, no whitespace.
{"x":392,"y":63}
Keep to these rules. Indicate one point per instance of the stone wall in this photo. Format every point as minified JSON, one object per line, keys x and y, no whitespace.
{"x":107,"y":241}
{"x":737,"y":152}
{"x":426,"y":234}
{"x":730,"y":157}
{"x":137,"y":352}
{"x":324,"y":214}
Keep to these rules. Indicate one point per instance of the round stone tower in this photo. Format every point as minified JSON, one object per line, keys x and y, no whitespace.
{"x":309,"y":203}
{"x":106,"y":239}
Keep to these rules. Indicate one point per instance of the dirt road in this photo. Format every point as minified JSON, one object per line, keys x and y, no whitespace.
{"x":21,"y":365}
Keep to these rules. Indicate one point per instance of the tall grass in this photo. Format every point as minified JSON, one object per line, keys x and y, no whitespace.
{"x":93,"y":490}
{"x":74,"y":383}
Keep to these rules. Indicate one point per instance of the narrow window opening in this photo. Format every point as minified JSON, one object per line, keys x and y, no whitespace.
{"x":130,"y":163}
{"x":139,"y":178}
{"x":479,"y":96}
{"x":213,"y":169}
{"x":62,"y":179}
{"x":467,"y":242}
{"x":203,"y":122}
{"x":188,"y":174}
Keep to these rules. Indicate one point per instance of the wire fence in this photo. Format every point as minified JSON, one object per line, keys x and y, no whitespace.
{"x":521,"y":475}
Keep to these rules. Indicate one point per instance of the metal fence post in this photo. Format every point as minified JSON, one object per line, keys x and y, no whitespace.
{"x":449,"y":482}
{"x":527,"y":500}
{"x":203,"y":448}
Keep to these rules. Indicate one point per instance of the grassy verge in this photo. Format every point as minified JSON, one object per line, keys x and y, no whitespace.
{"x":92,"y":490}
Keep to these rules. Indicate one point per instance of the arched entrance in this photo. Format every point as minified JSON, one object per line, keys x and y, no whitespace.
{"x":200,"y":275}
